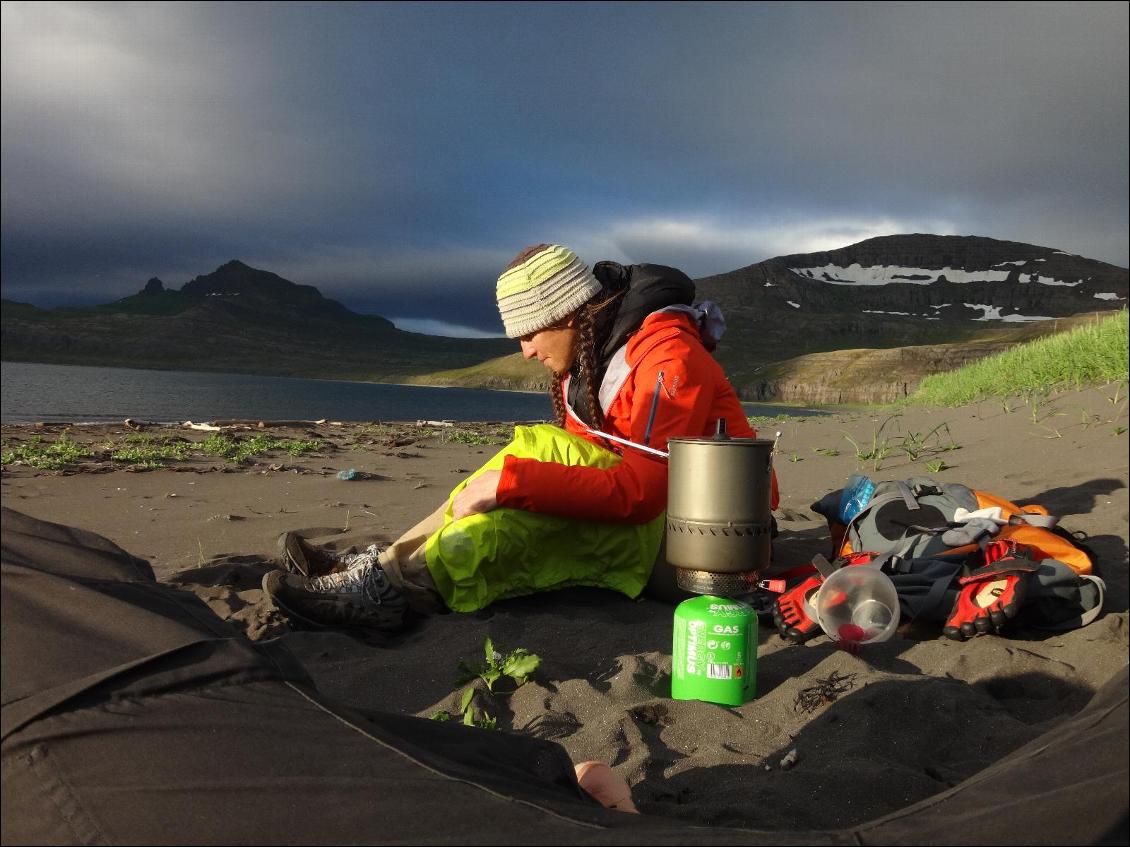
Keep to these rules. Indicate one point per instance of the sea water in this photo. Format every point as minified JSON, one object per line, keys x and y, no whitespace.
{"x":73,"y":393}
{"x":35,"y":392}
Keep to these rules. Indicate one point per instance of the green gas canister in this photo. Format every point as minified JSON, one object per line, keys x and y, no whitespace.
{"x":714,"y":651}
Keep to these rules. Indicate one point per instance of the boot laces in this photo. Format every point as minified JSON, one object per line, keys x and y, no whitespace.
{"x":362,"y":576}
{"x":344,"y":582}
{"x":365,"y":557}
{"x":352,"y":579}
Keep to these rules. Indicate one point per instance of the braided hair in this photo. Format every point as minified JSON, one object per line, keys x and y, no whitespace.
{"x":592,"y":327}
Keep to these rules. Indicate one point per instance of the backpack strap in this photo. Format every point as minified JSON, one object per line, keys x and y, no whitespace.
{"x":1091,"y":614}
{"x":908,"y":496}
{"x":922,"y":489}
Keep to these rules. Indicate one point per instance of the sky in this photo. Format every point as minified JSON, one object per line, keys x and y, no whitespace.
{"x":398,"y":155}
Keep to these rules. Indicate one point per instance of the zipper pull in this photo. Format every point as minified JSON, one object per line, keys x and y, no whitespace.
{"x":654,"y":405}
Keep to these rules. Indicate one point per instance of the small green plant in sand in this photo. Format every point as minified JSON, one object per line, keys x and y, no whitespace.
{"x":937,"y":440}
{"x":944,"y":442}
{"x":826,"y":451}
{"x":299,"y":447}
{"x":468,"y":436}
{"x":239,"y":450}
{"x":880,"y":447}
{"x":378,"y":430}
{"x":45,"y":455}
{"x":1037,"y":401}
{"x":467,"y":711}
{"x":936,"y":466}
{"x":1088,"y":419}
{"x":1050,"y":431}
{"x":1117,"y":399}
{"x":1118,"y":430}
{"x":141,"y":450}
{"x":147,"y":451}
{"x":517,"y":665}
{"x":915,"y":445}
{"x":217,"y":445}
{"x":254,"y":446}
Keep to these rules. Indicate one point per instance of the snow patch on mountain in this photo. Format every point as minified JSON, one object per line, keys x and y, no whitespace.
{"x":883,"y":274}
{"x":993,"y":313}
{"x":1047,"y":280}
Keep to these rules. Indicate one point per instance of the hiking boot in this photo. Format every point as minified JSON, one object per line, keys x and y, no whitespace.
{"x":360,"y":596}
{"x":298,"y":556}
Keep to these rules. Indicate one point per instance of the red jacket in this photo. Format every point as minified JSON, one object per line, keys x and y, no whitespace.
{"x":695,"y":394}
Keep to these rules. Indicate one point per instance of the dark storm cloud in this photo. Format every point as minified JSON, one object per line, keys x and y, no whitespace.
{"x":396,"y":155}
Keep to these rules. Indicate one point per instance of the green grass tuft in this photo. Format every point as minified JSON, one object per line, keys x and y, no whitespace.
{"x":467,"y":436}
{"x":1088,"y":355}
{"x":147,"y":452}
{"x":239,"y":450}
{"x":37,"y":453}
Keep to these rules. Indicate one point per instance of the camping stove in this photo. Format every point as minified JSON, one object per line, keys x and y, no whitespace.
{"x":718,"y":522}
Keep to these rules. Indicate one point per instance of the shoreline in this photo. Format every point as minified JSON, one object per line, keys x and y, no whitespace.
{"x":816,"y":408}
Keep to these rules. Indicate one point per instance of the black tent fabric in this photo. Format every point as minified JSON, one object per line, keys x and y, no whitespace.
{"x":131,"y":714}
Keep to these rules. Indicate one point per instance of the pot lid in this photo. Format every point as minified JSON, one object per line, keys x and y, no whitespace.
{"x":743,"y":442}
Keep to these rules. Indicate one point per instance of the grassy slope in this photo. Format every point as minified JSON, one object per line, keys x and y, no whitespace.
{"x":882,"y":375}
{"x":1095,"y":352}
{"x":510,"y":372}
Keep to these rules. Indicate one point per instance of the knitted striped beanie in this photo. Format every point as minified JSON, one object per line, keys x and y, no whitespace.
{"x":543,"y":284}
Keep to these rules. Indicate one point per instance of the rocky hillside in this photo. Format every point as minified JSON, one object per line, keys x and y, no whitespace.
{"x":897,"y":291}
{"x":934,"y":277}
{"x":237,"y":319}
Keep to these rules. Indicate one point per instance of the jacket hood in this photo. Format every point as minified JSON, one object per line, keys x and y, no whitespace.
{"x":647,"y":289}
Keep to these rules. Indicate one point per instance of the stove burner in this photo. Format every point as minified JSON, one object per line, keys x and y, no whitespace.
{"x":718,"y":584}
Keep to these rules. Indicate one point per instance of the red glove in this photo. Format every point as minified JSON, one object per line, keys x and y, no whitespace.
{"x":790,"y":612}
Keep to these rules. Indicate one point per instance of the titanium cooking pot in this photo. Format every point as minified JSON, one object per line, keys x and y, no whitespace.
{"x":718,"y":520}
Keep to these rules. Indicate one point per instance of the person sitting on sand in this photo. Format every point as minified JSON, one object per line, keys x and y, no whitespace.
{"x":563,"y":504}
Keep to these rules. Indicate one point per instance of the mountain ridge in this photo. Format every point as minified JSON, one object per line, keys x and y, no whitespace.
{"x":236,"y":319}
{"x":914,"y":290}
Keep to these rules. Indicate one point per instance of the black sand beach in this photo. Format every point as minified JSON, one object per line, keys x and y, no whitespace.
{"x":909,"y":718}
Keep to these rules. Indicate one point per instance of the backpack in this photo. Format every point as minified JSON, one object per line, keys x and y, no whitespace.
{"x":933,"y":538}
{"x":916,"y":518}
